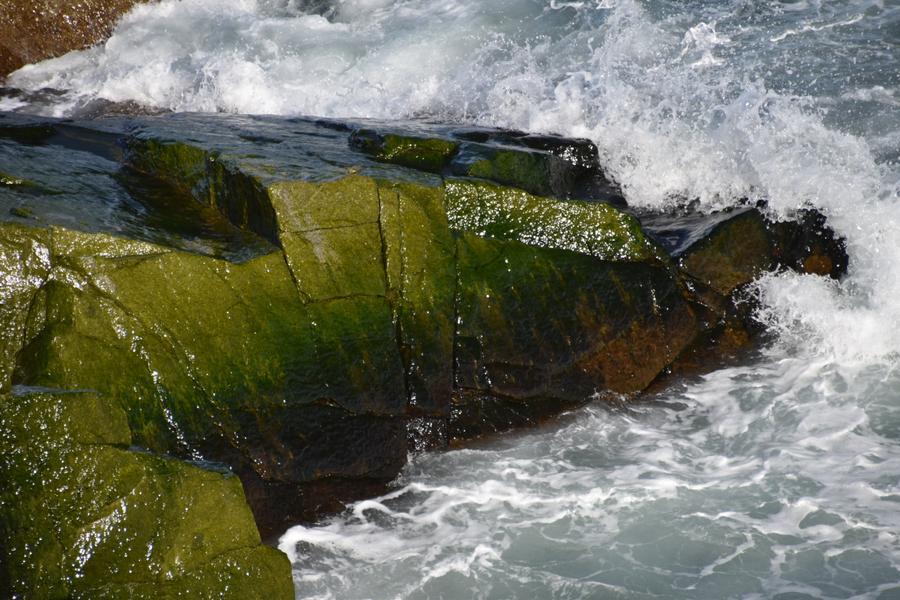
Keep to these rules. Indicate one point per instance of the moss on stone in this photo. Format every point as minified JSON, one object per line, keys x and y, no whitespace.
{"x":84,"y":517}
{"x":590,"y":228}
{"x":13,"y":181}
{"x":170,"y":334}
{"x":421,"y":267}
{"x":199,"y":351}
{"x":208,"y":177}
{"x":337,"y":262}
{"x":519,"y":168}
{"x":24,"y":267}
{"x":308,"y":206}
{"x":358,"y":363}
{"x":22,"y":212}
{"x":179,"y":164}
{"x":331,"y":237}
{"x":332,"y":240}
{"x":537,"y":323}
{"x":230,"y":361}
{"x":422,"y":153}
{"x":241,"y":198}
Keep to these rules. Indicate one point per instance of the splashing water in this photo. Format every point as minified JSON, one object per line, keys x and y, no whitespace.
{"x":780,"y":478}
{"x":775,"y":478}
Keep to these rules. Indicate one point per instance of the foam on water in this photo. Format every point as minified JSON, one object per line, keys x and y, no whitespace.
{"x":778,"y":477}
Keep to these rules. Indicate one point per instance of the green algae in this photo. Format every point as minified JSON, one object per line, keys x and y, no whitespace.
{"x":519,"y":168}
{"x":180,"y":164}
{"x":422,"y":153}
{"x":24,"y":267}
{"x":13,"y":181}
{"x":85,"y":517}
{"x":536,"y":323}
{"x":196,"y":348}
{"x":23,"y":212}
{"x":592,"y":228}
{"x":210,"y":178}
{"x":421,"y":267}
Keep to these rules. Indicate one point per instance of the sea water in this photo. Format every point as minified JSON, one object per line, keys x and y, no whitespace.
{"x":778,"y":478}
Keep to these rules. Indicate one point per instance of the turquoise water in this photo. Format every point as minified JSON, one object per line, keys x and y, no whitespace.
{"x":776,"y":479}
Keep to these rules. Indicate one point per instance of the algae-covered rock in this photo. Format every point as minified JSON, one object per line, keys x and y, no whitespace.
{"x":367,"y":300}
{"x":219,"y":360}
{"x":591,"y":228}
{"x":557,"y":302}
{"x":84,"y":516}
{"x":420,"y":255}
{"x":424,"y":153}
{"x":556,"y":327}
{"x":24,"y":267}
{"x":537,"y":172}
{"x":545,"y":165}
{"x":580,"y":154}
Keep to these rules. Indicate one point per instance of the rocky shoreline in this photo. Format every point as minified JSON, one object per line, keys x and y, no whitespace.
{"x":302,"y":303}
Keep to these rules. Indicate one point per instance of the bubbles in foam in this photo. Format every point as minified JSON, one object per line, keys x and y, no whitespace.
{"x":795,"y":491}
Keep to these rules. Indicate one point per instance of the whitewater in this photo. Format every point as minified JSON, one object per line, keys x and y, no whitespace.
{"x":775,"y":478}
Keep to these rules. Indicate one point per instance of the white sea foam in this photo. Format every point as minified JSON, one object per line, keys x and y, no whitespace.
{"x":795,"y":498}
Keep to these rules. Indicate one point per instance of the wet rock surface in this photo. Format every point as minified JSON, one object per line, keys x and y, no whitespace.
{"x":304,"y":301}
{"x":34,"y":30}
{"x":84,"y":515}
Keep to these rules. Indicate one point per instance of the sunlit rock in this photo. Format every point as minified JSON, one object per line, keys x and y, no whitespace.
{"x":84,"y":515}
{"x":34,"y":30}
{"x":306,"y":305}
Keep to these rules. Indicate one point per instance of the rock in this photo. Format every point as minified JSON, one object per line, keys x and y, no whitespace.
{"x":808,"y":245}
{"x":557,"y":302}
{"x":723,"y":253}
{"x":305,"y":360}
{"x":591,"y":228}
{"x":216,"y":359}
{"x":542,"y":165}
{"x":420,"y":258}
{"x":422,"y":153}
{"x":733,"y":253}
{"x":726,"y":250}
{"x":305,"y":302}
{"x":540,"y":330}
{"x":84,"y":516}
{"x":34,"y":30}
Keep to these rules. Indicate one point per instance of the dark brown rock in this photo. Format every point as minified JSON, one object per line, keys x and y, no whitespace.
{"x":35,"y":30}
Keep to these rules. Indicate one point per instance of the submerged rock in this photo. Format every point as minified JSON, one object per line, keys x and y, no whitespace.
{"x":305,"y":302}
